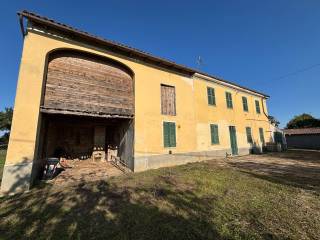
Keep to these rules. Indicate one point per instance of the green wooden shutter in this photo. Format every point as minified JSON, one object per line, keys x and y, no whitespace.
{"x":229,"y":100}
{"x":169,"y":134}
{"x":245,"y":104}
{"x":166,"y":134}
{"x":249,"y":135}
{"x":211,"y":96}
{"x":214,"y":134}
{"x":257,"y":106}
{"x":172,"y":134}
{"x":233,"y":140}
{"x":261,"y":135}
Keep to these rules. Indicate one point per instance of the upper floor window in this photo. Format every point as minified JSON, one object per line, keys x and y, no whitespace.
{"x":211,"y":96}
{"x":169,"y":134}
{"x":229,"y":100}
{"x":257,"y":106}
{"x":249,"y":134}
{"x":245,"y":104}
{"x":168,"y":100}
{"x":214,"y":134}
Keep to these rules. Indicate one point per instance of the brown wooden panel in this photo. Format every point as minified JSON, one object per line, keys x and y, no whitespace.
{"x":79,"y":82}
{"x":168,"y":100}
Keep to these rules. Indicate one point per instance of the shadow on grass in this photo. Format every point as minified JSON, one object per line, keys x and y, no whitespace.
{"x":103,"y":211}
{"x":298,"y":155}
{"x":296,"y":175}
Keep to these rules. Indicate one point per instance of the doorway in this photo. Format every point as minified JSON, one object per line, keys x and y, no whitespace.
{"x":86,"y":138}
{"x":233,"y":140}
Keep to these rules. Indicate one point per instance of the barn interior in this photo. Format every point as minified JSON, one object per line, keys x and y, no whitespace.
{"x":86,"y":138}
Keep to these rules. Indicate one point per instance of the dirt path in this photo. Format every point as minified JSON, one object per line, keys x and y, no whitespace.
{"x":298,"y":168}
{"x":85,"y":171}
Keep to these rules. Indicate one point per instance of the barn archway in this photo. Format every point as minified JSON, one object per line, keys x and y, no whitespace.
{"x":87,"y":108}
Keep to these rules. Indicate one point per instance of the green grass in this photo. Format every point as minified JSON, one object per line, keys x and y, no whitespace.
{"x":194,"y":201}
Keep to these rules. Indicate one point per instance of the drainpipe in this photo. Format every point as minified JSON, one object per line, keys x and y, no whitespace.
{"x":21,"y":25}
{"x":263,"y":110}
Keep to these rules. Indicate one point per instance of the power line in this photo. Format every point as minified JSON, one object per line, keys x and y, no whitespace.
{"x":298,"y":71}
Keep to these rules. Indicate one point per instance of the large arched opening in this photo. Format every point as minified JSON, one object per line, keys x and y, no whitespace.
{"x":87,"y":108}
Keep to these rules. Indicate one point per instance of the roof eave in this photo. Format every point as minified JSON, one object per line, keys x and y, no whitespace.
{"x":131,"y":51}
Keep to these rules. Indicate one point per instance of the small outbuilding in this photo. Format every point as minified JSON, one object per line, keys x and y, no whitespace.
{"x":303,"y":138}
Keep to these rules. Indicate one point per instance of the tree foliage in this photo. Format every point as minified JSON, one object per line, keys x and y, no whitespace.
{"x":273,"y":121}
{"x":5,"y":124}
{"x":303,"y":121}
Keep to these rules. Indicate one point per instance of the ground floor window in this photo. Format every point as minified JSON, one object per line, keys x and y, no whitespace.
{"x":214,"y":134}
{"x":249,"y":134}
{"x":169,"y":134}
{"x":261,"y":135}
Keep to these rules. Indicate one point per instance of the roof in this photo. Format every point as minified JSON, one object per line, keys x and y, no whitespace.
{"x":302,"y":131}
{"x":123,"y":49}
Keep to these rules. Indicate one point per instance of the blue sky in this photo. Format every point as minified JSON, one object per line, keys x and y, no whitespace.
{"x":253,"y":43}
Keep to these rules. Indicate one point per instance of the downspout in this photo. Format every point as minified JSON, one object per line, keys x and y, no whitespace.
{"x":271,"y":135}
{"x":21,"y":25}
{"x":263,"y":109}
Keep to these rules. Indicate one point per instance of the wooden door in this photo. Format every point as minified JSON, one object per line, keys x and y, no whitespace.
{"x":233,"y":140}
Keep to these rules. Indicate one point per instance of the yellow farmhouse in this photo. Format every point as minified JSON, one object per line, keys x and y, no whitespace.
{"x":81,"y":96}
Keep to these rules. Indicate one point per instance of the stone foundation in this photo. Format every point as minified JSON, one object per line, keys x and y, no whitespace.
{"x":16,"y":177}
{"x":167,"y":160}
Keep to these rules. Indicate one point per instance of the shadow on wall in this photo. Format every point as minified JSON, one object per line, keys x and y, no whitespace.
{"x":17,"y":177}
{"x":103,"y":211}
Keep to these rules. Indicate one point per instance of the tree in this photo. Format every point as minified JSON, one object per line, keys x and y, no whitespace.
{"x":273,"y":121}
{"x":5,"y":124}
{"x":303,"y":121}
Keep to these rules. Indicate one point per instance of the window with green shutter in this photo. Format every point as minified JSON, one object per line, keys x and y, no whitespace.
{"x":261,"y":136}
{"x":169,"y":134}
{"x":249,"y":134}
{"x":229,"y":100}
{"x":257,"y":106}
{"x":245,"y":104}
{"x":211,"y":96}
{"x":214,"y":134}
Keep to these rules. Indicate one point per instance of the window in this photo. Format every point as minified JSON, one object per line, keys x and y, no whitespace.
{"x":257,"y":106}
{"x":214,"y":134}
{"x":229,"y":100}
{"x":211,"y":96}
{"x":261,"y":135}
{"x":169,"y":134}
{"x":245,"y":104}
{"x":168,"y":100}
{"x":249,"y":135}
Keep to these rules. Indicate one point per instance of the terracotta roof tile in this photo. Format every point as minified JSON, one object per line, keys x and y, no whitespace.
{"x":300,"y":131}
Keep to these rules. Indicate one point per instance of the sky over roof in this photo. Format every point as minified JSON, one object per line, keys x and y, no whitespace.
{"x":271,"y":46}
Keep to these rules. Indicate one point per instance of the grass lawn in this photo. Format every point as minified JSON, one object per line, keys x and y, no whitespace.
{"x":194,"y":201}
{"x":2,"y":159}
